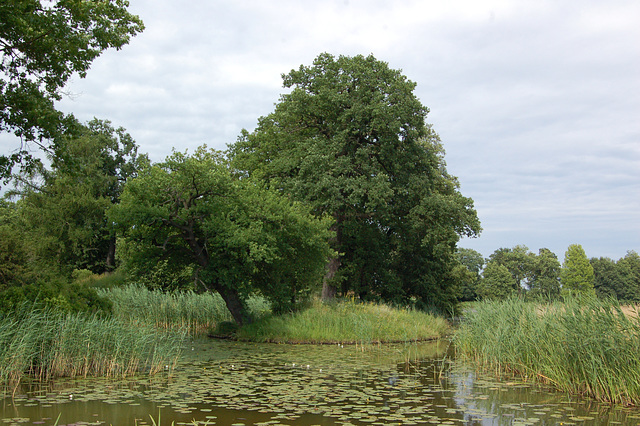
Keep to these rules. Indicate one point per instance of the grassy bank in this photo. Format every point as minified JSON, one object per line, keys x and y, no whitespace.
{"x":44,"y":344}
{"x":346,"y":322}
{"x":196,"y":313}
{"x":586,"y":347}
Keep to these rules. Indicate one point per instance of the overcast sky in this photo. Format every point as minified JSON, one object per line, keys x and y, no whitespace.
{"x":537,"y":102}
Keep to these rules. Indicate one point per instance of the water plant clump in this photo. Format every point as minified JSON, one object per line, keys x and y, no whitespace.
{"x":43,"y":344}
{"x":583,"y":346}
{"x":197,"y":313}
{"x":346,"y":322}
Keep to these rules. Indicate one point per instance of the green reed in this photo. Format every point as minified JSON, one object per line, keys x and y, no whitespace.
{"x":197,"y":313}
{"x":347,"y":322}
{"x":43,"y":344}
{"x":582,"y":346}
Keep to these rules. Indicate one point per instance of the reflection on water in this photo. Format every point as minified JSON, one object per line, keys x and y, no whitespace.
{"x":226,"y":383}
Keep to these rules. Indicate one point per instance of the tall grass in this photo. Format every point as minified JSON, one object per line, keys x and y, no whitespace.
{"x":197,"y":313}
{"x":44,"y":344}
{"x":581,"y":346}
{"x":346,"y":322}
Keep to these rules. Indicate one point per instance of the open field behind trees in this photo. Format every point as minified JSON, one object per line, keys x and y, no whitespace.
{"x":583,"y":346}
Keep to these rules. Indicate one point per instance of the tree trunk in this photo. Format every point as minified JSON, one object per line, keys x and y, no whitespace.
{"x":328,"y":289}
{"x":235,"y":305}
{"x":111,"y":255}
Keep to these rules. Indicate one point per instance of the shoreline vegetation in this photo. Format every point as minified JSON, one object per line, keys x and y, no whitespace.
{"x":582,"y":346}
{"x":146,"y":330}
{"x":346,"y":322}
{"x":42,"y":344}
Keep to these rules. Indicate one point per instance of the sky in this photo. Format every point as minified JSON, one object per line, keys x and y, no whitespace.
{"x":537,"y":102}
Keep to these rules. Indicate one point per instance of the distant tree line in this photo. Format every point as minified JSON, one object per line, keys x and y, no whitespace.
{"x":518,"y":271}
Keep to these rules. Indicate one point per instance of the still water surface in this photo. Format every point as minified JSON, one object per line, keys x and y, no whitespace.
{"x":230,"y":383}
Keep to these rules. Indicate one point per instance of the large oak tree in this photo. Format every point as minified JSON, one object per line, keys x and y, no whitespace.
{"x":350,"y":139}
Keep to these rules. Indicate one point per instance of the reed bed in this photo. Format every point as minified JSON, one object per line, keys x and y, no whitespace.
{"x":197,"y":313}
{"x":347,"y":322}
{"x":582,"y":346}
{"x":43,"y":344}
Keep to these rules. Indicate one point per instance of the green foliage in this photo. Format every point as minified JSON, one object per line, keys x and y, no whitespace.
{"x":535,"y":276}
{"x":350,"y":140}
{"x":518,"y":261}
{"x":544,"y":282}
{"x":236,"y":236}
{"x":577,"y":273}
{"x":466,"y":281}
{"x":97,"y":281}
{"x":13,"y":252}
{"x":473,"y":262}
{"x":65,"y":216}
{"x":346,"y":322}
{"x":43,"y":45}
{"x":620,"y":280}
{"x":628,"y":269}
{"x":55,"y":294}
{"x":607,"y":282}
{"x":26,"y":278}
{"x":582,"y":346}
{"x":497,"y":282}
{"x":151,"y":272}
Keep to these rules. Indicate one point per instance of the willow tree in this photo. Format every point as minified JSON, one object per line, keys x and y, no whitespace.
{"x":350,"y":139}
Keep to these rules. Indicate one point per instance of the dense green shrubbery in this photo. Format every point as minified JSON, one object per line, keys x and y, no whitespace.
{"x":582,"y":345}
{"x":57,"y":294}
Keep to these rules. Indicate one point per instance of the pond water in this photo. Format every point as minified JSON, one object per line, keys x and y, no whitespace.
{"x":231,"y":383}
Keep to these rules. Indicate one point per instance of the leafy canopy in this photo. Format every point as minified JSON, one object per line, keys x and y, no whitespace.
{"x":497,"y":282}
{"x":472,"y":262}
{"x":577,"y":273}
{"x":63,"y":209}
{"x":43,"y":43}
{"x":350,"y":140}
{"x":236,"y":236}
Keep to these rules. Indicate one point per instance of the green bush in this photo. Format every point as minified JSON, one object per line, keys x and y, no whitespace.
{"x":55,"y":294}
